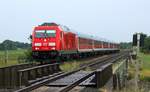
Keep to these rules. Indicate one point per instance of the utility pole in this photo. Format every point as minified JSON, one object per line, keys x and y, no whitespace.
{"x":138,"y":41}
{"x":137,"y":63}
{"x":6,"y":53}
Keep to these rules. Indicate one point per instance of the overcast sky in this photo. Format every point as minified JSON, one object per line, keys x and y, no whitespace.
{"x":115,"y":20}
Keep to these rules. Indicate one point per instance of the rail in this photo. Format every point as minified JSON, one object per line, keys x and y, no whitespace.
{"x":103,"y":61}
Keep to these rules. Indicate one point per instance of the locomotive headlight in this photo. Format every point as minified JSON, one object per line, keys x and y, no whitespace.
{"x":37,"y":44}
{"x":53,"y":48}
{"x":36,"y":48}
{"x":51,"y":44}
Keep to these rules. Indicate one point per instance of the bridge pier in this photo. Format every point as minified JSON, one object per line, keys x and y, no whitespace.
{"x":103,"y":75}
{"x":120,"y":74}
{"x":109,"y":76}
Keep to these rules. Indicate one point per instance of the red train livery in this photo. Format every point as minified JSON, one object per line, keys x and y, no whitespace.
{"x":51,"y":40}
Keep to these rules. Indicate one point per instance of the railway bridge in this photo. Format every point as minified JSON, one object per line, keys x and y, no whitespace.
{"x":109,"y":72}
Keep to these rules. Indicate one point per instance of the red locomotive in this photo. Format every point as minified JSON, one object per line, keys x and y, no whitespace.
{"x":51,"y":40}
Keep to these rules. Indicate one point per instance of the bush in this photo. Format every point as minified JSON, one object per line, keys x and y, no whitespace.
{"x":27,"y":57}
{"x":146,"y":48}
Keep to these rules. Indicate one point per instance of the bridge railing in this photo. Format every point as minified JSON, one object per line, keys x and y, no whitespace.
{"x":9,"y":75}
{"x":29,"y":75}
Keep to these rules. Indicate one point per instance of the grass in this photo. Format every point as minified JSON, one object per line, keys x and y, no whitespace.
{"x":144,"y":75}
{"x":12,"y":57}
{"x":146,"y":60}
{"x":74,"y":64}
{"x":69,"y":66}
{"x":145,"y":72}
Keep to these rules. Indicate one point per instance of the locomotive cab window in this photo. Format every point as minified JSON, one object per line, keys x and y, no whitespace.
{"x":40,"y":34}
{"x":51,"y":33}
{"x":45,"y":33}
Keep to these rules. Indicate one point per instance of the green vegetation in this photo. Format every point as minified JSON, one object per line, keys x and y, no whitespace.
{"x":146,"y":48}
{"x":12,"y":52}
{"x":13,"y":56}
{"x":145,"y":72}
{"x":125,"y":45}
{"x":143,"y":86}
{"x":146,"y":60}
{"x":69,"y":66}
{"x":13,"y":45}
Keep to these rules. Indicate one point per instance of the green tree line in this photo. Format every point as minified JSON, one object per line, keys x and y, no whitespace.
{"x":14,"y":45}
{"x":125,"y":45}
{"x":146,"y":47}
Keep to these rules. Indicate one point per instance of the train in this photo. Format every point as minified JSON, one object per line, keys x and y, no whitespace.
{"x":52,"y":40}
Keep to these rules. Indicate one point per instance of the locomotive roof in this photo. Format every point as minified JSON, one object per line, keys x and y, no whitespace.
{"x":65,"y":28}
{"x":49,"y":24}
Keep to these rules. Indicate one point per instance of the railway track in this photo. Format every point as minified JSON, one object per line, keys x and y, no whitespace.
{"x":98,"y":63}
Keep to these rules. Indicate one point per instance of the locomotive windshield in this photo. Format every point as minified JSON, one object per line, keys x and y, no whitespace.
{"x":45,"y":33}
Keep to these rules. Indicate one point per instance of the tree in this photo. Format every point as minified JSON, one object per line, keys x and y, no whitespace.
{"x":146,"y":47}
{"x":13,"y":45}
{"x":9,"y":45}
{"x":125,"y":45}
